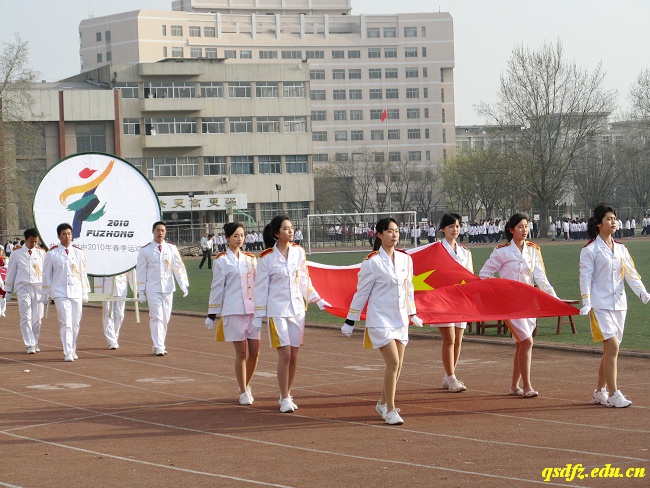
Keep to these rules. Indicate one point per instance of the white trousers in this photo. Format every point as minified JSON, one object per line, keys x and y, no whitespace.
{"x":29,"y":308}
{"x":69,"y":313}
{"x":160,"y":310}
{"x":113,"y":316}
{"x":3,"y":305}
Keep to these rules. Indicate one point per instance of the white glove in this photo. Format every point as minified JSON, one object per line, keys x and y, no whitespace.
{"x":322,"y":304}
{"x":346,"y":330}
{"x":84,"y":299}
{"x":185,"y":291}
{"x":417,"y":321}
{"x":209,"y":323}
{"x":44,"y":299}
{"x":257,"y":323}
{"x":585,"y":310}
{"x":645,"y":296}
{"x":142,"y":297}
{"x":7,"y":296}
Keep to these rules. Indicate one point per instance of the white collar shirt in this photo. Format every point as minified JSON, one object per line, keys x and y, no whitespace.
{"x":233,"y":282}
{"x":25,"y":268}
{"x":64,"y":274}
{"x":462,"y":255}
{"x":157,"y":267}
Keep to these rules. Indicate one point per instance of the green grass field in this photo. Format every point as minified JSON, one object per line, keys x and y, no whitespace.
{"x":561,"y":262}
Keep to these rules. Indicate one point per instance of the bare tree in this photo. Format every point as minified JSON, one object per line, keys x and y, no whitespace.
{"x":634,"y":160}
{"x":459,"y":183}
{"x":427,"y":193}
{"x":559,"y":108}
{"x":640,"y":95}
{"x":596,"y":174}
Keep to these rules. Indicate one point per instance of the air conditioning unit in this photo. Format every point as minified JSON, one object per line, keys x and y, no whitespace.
{"x":225,"y":179}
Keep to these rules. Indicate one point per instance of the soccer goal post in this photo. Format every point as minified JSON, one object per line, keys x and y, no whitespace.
{"x":354,"y":230}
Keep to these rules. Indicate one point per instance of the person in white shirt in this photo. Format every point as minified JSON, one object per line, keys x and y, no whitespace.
{"x":298,"y":237}
{"x":519,"y":260}
{"x":66,"y":282}
{"x":552,"y":230}
{"x":565,"y":229}
{"x":231,"y":298}
{"x":207,"y":245}
{"x":385,"y":282}
{"x":113,"y":310}
{"x":452,"y":333}
{"x":605,"y":265}
{"x":159,"y":262}
{"x":24,"y":279}
{"x":282,"y":287}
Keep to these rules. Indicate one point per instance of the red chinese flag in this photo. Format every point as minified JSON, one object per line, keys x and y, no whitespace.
{"x":384,"y":115}
{"x":445,"y":291}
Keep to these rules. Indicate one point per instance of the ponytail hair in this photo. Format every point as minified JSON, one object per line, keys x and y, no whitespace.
{"x":230,"y":228}
{"x":273,"y":228}
{"x":597,"y":218}
{"x":382,"y":225}
{"x":512,"y":223}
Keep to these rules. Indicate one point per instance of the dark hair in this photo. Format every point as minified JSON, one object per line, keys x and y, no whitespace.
{"x":597,"y":218}
{"x":449,"y":219}
{"x":30,"y":233}
{"x":381,"y":226}
{"x":61,"y":227}
{"x":273,"y":228}
{"x":156,"y":224}
{"x":514,"y":220}
{"x":230,"y":228}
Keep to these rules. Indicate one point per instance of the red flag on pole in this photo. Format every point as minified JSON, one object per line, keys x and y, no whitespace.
{"x":384,"y":115}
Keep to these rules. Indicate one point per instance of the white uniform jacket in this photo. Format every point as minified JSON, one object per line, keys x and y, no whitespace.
{"x":388,"y":290}
{"x":156,"y":269}
{"x":526,"y":266}
{"x":64,"y":275}
{"x":118,"y":284}
{"x":233,"y":281}
{"x":282,"y":286}
{"x":462,"y":255}
{"x":602,"y":275}
{"x":25,"y":268}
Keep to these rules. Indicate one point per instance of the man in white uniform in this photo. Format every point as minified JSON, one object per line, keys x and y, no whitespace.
{"x":24,"y":279}
{"x":158,"y":263}
{"x":66,"y":282}
{"x":113,"y":310}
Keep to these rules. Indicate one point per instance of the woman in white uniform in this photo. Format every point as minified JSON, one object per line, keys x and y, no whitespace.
{"x":519,"y":260}
{"x":385,"y":281}
{"x":282,"y":287}
{"x":231,"y":298}
{"x":452,"y":334}
{"x":604,"y":266}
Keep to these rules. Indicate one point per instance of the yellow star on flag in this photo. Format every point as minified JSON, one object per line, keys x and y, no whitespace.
{"x":419,"y":281}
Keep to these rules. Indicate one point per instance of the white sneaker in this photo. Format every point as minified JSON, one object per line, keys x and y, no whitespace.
{"x":445,"y":382}
{"x":159,"y":351}
{"x":393,"y":417}
{"x":36,"y":348}
{"x":382,"y":410}
{"x":74,"y":355}
{"x":295,"y":407}
{"x":244,"y":399}
{"x":68,"y":358}
{"x":113,"y":345}
{"x":250,"y":394}
{"x":618,"y":400}
{"x":31,"y":350}
{"x":599,"y":396}
{"x":286,"y":405}
{"x":456,"y":386}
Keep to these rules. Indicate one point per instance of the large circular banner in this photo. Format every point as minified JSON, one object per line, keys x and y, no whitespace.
{"x":109,"y":203}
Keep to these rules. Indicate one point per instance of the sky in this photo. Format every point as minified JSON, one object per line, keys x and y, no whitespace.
{"x":613,"y":32}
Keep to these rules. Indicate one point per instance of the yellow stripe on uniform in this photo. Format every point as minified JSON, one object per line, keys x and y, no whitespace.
{"x":273,"y":334}
{"x":219,"y":335}
{"x":512,"y":330}
{"x":367,"y":343}
{"x":596,"y":333}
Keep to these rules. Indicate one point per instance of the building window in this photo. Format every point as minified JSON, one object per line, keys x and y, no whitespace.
{"x":265,"y":89}
{"x":109,"y":56}
{"x":413,"y":134}
{"x":393,"y":135}
{"x":375,"y":114}
{"x":444,"y":136}
{"x":242,"y":165}
{"x":177,"y":52}
{"x":425,"y":73}
{"x":131,"y":126}
{"x":318,"y":115}
{"x":211,"y":89}
{"x":375,"y":93}
{"x":394,"y":156}
{"x":196,"y":52}
{"x":177,"y":30}
{"x":390,"y":72}
{"x":164,"y":51}
{"x":315,"y":54}
{"x":295,"y":124}
{"x":296,"y":164}
{"x":213,"y":125}
{"x":317,"y":94}
{"x":107,"y":35}
{"x":425,"y":92}
{"x":356,"y":114}
{"x":411,"y":72}
{"x":98,"y":36}
{"x":424,"y":52}
{"x":356,"y":135}
{"x":442,"y":95}
{"x":214,"y":165}
{"x":390,"y":52}
{"x":412,"y":113}
{"x":245,"y":54}
{"x":136,"y":163}
{"x":210,"y":31}
{"x":129,"y":90}
{"x":392,"y":93}
{"x":354,"y":54}
{"x":195,"y":31}
{"x":187,"y":166}
{"x":415,"y":155}
{"x":319,"y":136}
{"x":211,"y":52}
{"x":442,"y":116}
{"x":269,"y":165}
{"x":341,"y":156}
{"x":172,"y":125}
{"x":268,"y":124}
{"x":162,"y":167}
{"x":241,"y":125}
{"x":338,"y":54}
{"x":423,"y":31}
{"x":356,"y":95}
{"x":374,"y":73}
{"x":320,"y":158}
{"x":294,"y":89}
{"x":428,"y":155}
{"x":390,"y":31}
{"x":340,"y":135}
{"x":354,"y":74}
{"x":164,"y":30}
{"x":269,"y":210}
{"x":99,"y":57}
{"x":410,"y":31}
{"x":268,"y":55}
{"x":340,"y":115}
{"x":338,"y":94}
{"x":411,"y":52}
{"x":373,"y":32}
{"x":292,"y":55}
{"x":442,"y":75}
{"x":230,"y":54}
{"x":338,"y":74}
{"x":91,"y":137}
{"x":374,"y":52}
{"x":392,"y":113}
{"x":239,"y":89}
{"x":376,"y":135}
{"x":316,"y":74}
{"x":178,"y":89}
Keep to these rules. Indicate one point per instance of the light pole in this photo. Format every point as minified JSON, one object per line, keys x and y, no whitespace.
{"x":190,"y":195}
{"x":278,"y":188}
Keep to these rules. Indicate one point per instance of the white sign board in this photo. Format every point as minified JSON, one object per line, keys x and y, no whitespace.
{"x":109,"y":203}
{"x":184,"y":203}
